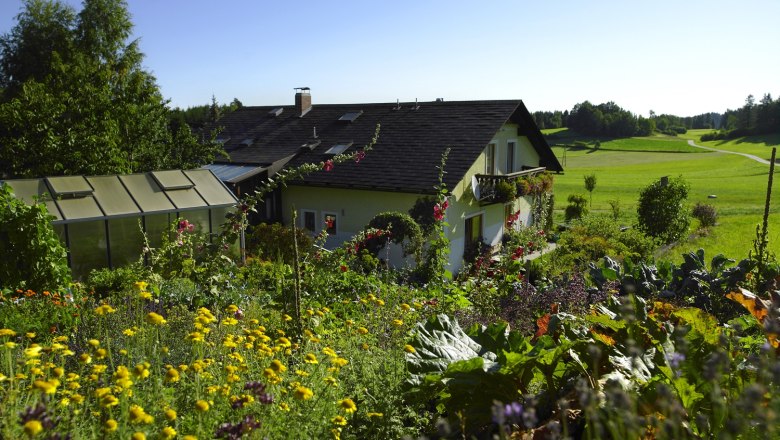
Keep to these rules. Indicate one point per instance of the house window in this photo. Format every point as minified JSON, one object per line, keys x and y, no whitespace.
{"x":330,"y":223}
{"x":473,"y":230}
{"x":309,"y":220}
{"x":490,"y":158}
{"x":510,"y":156}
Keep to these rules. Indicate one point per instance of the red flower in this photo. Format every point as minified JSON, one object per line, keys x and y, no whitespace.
{"x":343,"y":268}
{"x":438,"y":212}
{"x":328,"y":165}
{"x":445,"y":205}
{"x":359,"y":156}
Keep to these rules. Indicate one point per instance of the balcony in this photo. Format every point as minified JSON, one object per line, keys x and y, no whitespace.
{"x":485,"y":189}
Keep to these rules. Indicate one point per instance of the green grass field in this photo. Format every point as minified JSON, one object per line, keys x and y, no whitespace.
{"x":628,"y":165}
{"x":760,"y":146}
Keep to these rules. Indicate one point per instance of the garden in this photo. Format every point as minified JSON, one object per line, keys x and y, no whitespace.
{"x":299,"y":342}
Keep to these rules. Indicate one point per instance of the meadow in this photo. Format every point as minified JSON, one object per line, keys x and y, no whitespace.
{"x":624,"y":166}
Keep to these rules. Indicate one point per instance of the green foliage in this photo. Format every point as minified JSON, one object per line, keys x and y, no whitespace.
{"x":33,"y":255}
{"x":706,"y":214}
{"x":505,"y":191}
{"x":106,"y":283}
{"x":596,"y":236}
{"x":403,"y":230}
{"x":421,"y":213}
{"x":83,"y":104}
{"x":661,"y":210}
{"x":436,"y":255}
{"x":576,"y":208}
{"x":590,"y":185}
{"x":274,"y":242}
{"x":614,"y":206}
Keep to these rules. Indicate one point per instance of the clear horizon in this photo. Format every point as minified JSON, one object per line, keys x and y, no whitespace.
{"x":681,"y":58}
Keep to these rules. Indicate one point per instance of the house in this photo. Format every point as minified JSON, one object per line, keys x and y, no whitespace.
{"x":489,"y":141}
{"x":104,"y":221}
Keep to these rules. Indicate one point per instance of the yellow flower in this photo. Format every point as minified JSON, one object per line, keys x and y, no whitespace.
{"x":364,"y":346}
{"x":138,"y":415}
{"x":189,"y":437}
{"x":155,"y":319}
{"x":339,"y":420}
{"x":336,"y":432}
{"x":201,"y":406}
{"x":100,"y":353}
{"x":287,"y":317}
{"x":172,"y":375}
{"x":58,"y":371}
{"x":379,"y":302}
{"x":140,"y":285}
{"x":398,"y":322}
{"x":277,"y":366}
{"x":298,"y":372}
{"x":284,"y":407}
{"x":104,"y":309}
{"x":170,"y":414}
{"x":330,"y":380}
{"x":138,"y":436}
{"x":145,"y":295}
{"x":405,"y":307}
{"x":85,"y":358}
{"x":33,"y":351}
{"x":349,"y":323}
{"x":409,"y":349}
{"x":129,"y":332}
{"x":362,"y":330}
{"x":108,"y":401}
{"x":303,"y":393}
{"x":339,"y":362}
{"x":232,"y":308}
{"x":310,"y":358}
{"x":141,"y":371}
{"x":168,"y":433}
{"x":10,"y":344}
{"x":229,"y":321}
{"x":347,"y":405}
{"x":110,"y":425}
{"x":7,"y":332}
{"x":47,"y":386}
{"x":284,"y":342}
{"x":374,"y":414}
{"x":29,"y":335}
{"x":195,"y":337}
{"x":32,"y":428}
{"x":329,"y":352}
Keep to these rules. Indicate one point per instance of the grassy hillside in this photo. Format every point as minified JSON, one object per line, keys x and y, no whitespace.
{"x":760,"y":146}
{"x":624,"y":166}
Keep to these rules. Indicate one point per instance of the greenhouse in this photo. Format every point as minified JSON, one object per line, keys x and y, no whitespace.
{"x":102,"y":219}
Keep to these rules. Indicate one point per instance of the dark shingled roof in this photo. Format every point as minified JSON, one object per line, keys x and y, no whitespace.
{"x":411,"y":140}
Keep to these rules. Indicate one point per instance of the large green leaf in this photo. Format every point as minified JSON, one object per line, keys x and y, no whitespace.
{"x":439,"y":342}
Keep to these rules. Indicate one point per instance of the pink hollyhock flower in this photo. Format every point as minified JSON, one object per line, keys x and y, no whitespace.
{"x":328,"y":165}
{"x":438,"y":213}
{"x":359,"y":156}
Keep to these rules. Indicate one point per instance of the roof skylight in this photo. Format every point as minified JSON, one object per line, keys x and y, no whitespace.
{"x":351,"y":116}
{"x":339,"y":148}
{"x":276,"y":112}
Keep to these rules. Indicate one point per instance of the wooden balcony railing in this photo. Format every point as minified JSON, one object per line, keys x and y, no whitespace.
{"x":487,"y":182}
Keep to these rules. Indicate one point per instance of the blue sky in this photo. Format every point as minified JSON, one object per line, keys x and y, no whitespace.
{"x":679,"y":57}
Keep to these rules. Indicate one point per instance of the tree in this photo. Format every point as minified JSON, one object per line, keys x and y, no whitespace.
{"x":661,"y":210}
{"x":590,"y":185}
{"x":33,"y":256}
{"x":89,"y":108}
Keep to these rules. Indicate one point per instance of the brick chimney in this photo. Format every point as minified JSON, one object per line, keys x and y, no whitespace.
{"x":302,"y":101}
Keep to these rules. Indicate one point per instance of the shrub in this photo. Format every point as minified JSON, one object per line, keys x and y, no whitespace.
{"x":523,"y":186}
{"x":661,"y":210}
{"x":596,"y":236}
{"x":403,"y":230}
{"x":32,"y":255}
{"x":705,"y":214}
{"x":614,"y":206}
{"x":577,"y":207}
{"x":275,"y":241}
{"x":421,"y":213}
{"x":107,"y":282}
{"x":505,"y":191}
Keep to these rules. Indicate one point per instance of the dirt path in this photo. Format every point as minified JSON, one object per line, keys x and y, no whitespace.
{"x":749,"y":156}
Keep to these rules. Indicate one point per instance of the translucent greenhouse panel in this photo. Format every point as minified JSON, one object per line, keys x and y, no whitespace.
{"x":126,"y":240}
{"x":217,"y":219}
{"x":156,"y":226}
{"x":199,"y":217}
{"x":88,"y":247}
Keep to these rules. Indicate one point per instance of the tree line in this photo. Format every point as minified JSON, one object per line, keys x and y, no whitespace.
{"x":74,"y":98}
{"x":609,"y":119}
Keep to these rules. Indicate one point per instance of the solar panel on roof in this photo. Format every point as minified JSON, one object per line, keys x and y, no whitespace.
{"x":172,"y":179}
{"x":339,"y":148}
{"x":350,"y":116}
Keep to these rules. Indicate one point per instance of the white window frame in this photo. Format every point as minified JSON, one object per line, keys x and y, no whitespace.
{"x":510,"y":166}
{"x":490,"y":156}
{"x":325,"y":225}
{"x":303,"y":220}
